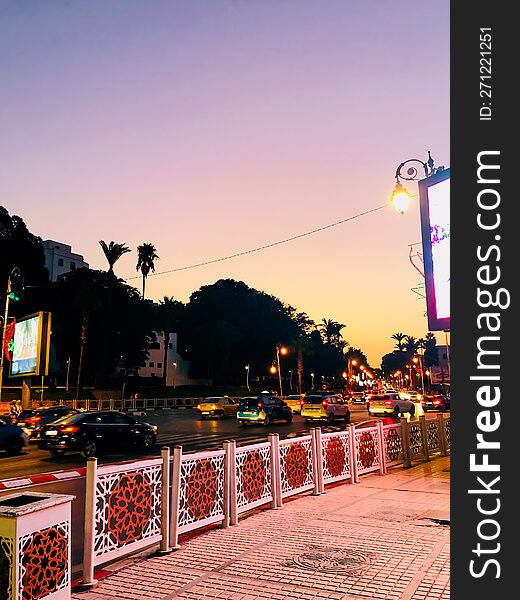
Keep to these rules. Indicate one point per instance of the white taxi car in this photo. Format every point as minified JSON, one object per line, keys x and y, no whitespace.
{"x":390,"y":404}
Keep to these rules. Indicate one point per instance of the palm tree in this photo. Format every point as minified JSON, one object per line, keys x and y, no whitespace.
{"x":400,"y":343}
{"x":113,"y":252}
{"x":146,"y":257}
{"x":331,"y":330}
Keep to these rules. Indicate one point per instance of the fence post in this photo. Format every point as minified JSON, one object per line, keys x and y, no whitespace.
{"x":227,"y":483}
{"x":353,"y":453}
{"x":175,"y":495}
{"x":405,"y":438}
{"x":90,"y":523}
{"x":441,"y":424}
{"x":382,"y":448}
{"x":164,"y":547}
{"x":314,"y":453}
{"x":277,"y":470}
{"x":274,"y":475}
{"x":424,"y":438}
{"x":319,"y":447}
{"x":232,"y":466}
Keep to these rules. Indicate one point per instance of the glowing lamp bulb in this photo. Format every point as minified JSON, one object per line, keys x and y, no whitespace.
{"x":400,"y":198}
{"x":273,"y":369}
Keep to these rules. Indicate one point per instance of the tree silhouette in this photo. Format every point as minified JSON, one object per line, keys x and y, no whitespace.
{"x":113,"y":252}
{"x":146,"y":257}
{"x":399,"y":337}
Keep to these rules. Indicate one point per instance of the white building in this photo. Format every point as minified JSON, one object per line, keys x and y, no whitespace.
{"x":60,"y":259}
{"x":177,"y":369}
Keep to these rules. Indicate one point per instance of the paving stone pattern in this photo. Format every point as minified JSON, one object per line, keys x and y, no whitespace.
{"x":384,"y":538}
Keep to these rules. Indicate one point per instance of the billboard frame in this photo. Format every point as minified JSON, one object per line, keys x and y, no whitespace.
{"x":42,"y":345}
{"x":434,"y":323}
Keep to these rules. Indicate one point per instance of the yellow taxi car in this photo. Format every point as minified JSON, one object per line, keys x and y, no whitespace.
{"x":294,"y":402}
{"x":217,"y":406}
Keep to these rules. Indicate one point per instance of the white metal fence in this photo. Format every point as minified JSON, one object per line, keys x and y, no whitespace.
{"x":131,"y":506}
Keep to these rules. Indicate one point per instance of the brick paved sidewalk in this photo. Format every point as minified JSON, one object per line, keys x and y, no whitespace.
{"x":386,"y":537}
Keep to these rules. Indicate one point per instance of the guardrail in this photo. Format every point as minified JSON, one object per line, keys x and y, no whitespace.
{"x":135,"y":505}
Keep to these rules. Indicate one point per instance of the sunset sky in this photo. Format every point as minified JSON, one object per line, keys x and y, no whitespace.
{"x":209,"y":127}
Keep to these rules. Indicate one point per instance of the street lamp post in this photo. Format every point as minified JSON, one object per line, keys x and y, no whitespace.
{"x":174,"y":373}
{"x":312,"y":380}
{"x":68,"y":371}
{"x":283,"y":351}
{"x":247,"y":377}
{"x":401,"y":196}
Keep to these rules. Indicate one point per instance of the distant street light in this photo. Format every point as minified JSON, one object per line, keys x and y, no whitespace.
{"x":280,"y":349}
{"x":174,"y":373}
{"x":312,"y":380}
{"x":247,"y":376}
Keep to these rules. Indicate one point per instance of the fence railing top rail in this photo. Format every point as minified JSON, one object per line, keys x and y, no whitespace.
{"x":128,"y":466}
{"x":252,"y":447}
{"x":295,"y":440}
{"x":201,"y":455}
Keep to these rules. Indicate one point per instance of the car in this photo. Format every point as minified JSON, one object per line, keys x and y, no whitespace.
{"x":357,"y":397}
{"x":217,"y":406}
{"x":93,"y":431}
{"x":263,"y":409}
{"x":326,"y":406}
{"x":32,"y":420}
{"x":12,"y":437}
{"x":412,"y":395}
{"x":438,"y":402}
{"x":294,"y":402}
{"x":390,"y":404}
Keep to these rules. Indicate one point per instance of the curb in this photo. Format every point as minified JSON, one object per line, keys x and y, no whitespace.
{"x":9,"y":484}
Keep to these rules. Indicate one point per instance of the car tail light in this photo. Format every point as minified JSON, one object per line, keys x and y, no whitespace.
{"x":325,"y":403}
{"x":260,"y":405}
{"x":301,"y":403}
{"x":34,"y":419}
{"x":14,"y":420}
{"x":388,"y":403}
{"x":69,"y":429}
{"x":437,"y":402}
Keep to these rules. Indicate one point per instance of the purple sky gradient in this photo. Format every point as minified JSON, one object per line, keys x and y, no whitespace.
{"x":210,"y":127}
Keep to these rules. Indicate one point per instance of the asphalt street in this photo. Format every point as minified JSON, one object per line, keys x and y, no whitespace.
{"x":175,"y":427}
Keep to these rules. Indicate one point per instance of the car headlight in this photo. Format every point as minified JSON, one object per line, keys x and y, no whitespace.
{"x":154,"y":428}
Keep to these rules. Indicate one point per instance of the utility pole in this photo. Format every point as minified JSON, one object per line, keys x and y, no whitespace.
{"x":81,"y":347}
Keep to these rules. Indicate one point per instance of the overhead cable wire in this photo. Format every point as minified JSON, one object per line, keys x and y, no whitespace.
{"x":264,"y":247}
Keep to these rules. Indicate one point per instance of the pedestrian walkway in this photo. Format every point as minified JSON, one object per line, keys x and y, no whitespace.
{"x":383,"y":538}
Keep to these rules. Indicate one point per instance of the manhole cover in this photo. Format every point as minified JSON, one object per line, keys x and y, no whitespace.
{"x":325,"y":559}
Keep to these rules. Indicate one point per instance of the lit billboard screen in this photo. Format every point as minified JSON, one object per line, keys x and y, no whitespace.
{"x":434,"y":194}
{"x":31,"y":346}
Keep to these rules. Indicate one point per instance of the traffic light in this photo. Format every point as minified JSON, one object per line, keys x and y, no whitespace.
{"x":16,"y":285}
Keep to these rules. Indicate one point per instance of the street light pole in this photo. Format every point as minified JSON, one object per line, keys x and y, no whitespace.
{"x":68,"y":371}
{"x":174,"y":373}
{"x":247,"y":377}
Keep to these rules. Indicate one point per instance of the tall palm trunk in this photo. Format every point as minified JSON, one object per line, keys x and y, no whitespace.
{"x":144,"y":285}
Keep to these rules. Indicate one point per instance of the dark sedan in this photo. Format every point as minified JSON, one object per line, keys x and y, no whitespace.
{"x":438,"y":403}
{"x":33,"y":420}
{"x":93,"y":432}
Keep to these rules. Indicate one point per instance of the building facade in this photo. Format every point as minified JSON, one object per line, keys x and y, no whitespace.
{"x":60,"y":259}
{"x":177,"y":369}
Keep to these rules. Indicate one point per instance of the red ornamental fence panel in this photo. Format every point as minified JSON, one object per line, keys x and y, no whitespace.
{"x":297,"y":460}
{"x":367,"y":450}
{"x":336,"y":455}
{"x":254,"y":484}
{"x":124,"y":508}
{"x":199,"y":491}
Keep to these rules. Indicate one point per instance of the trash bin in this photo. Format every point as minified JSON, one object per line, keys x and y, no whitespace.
{"x":35,"y":546}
